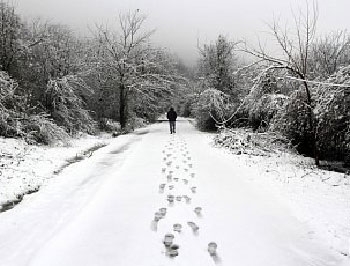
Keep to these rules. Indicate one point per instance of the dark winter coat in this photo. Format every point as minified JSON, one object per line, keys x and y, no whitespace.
{"x":171,"y":115}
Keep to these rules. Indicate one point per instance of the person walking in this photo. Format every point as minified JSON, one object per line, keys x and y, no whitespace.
{"x":172,"y":115}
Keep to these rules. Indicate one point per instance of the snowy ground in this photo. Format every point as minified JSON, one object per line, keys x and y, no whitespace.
{"x":101,"y":210}
{"x":24,"y":168}
{"x":317,"y":197}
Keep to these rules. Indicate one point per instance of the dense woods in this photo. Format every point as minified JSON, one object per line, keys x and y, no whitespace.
{"x":54,"y":84}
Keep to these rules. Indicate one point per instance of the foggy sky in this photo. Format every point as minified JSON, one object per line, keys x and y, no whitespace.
{"x":179,"y":23}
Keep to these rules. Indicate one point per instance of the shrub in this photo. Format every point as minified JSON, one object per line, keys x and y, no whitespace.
{"x":333,"y":118}
{"x":262,"y":111}
{"x":16,"y":121}
{"x":109,"y":125}
{"x":293,"y":122}
{"x":39,"y":129}
{"x":212,"y":110}
{"x":66,"y":105}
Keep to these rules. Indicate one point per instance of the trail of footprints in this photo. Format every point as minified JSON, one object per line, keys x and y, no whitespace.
{"x":178,"y":172}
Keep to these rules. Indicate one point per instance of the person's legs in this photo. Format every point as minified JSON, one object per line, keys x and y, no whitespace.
{"x":174,"y":127}
{"x":171,"y":127}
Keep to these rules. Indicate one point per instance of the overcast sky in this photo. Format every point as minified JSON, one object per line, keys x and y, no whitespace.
{"x":180,"y":22}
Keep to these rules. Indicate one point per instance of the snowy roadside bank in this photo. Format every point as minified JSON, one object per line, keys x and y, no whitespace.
{"x":25,"y":168}
{"x":318,"y":198}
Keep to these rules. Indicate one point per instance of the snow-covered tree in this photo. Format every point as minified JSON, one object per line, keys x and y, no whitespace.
{"x":296,"y":48}
{"x":333,"y":117}
{"x":121,"y":52}
{"x":215,"y":70}
{"x":216,"y":65}
{"x":217,"y":105}
{"x":51,"y":53}
{"x":140,"y":74}
{"x":10,"y":27}
{"x":67,"y":107}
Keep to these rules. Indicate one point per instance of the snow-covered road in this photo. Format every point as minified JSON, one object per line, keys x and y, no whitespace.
{"x":101,"y":211}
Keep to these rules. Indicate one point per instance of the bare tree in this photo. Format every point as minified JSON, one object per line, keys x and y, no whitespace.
{"x":330,"y":52}
{"x":138,"y":72}
{"x":120,"y":51}
{"x":296,"y":53}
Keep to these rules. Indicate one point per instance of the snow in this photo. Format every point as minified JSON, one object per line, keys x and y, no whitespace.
{"x":317,"y":197}
{"x":324,"y":205}
{"x":101,"y":210}
{"x":25,"y":167}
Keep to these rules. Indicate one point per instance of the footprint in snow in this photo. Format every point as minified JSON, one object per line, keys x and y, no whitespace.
{"x":198,"y":211}
{"x":170,"y":199}
{"x":161,"y":188}
{"x":194,"y":227}
{"x":212,"y":249}
{"x":177,"y":228}
{"x":168,"y":240}
{"x":158,"y":216}
{"x":188,"y":200}
{"x":162,"y":211}
{"x":172,"y":251}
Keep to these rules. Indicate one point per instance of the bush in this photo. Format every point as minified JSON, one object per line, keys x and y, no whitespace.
{"x":38,"y":129}
{"x":204,"y":122}
{"x":292,"y":120}
{"x":133,"y":123}
{"x":11,"y":106}
{"x":212,"y":110}
{"x":244,"y":141}
{"x":109,"y":125}
{"x":264,"y":109}
{"x":333,"y":118}
{"x":67,"y":107}
{"x":17,"y":122}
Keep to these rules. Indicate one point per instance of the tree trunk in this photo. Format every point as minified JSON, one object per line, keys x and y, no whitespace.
{"x":122,"y":106}
{"x":313,"y":125}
